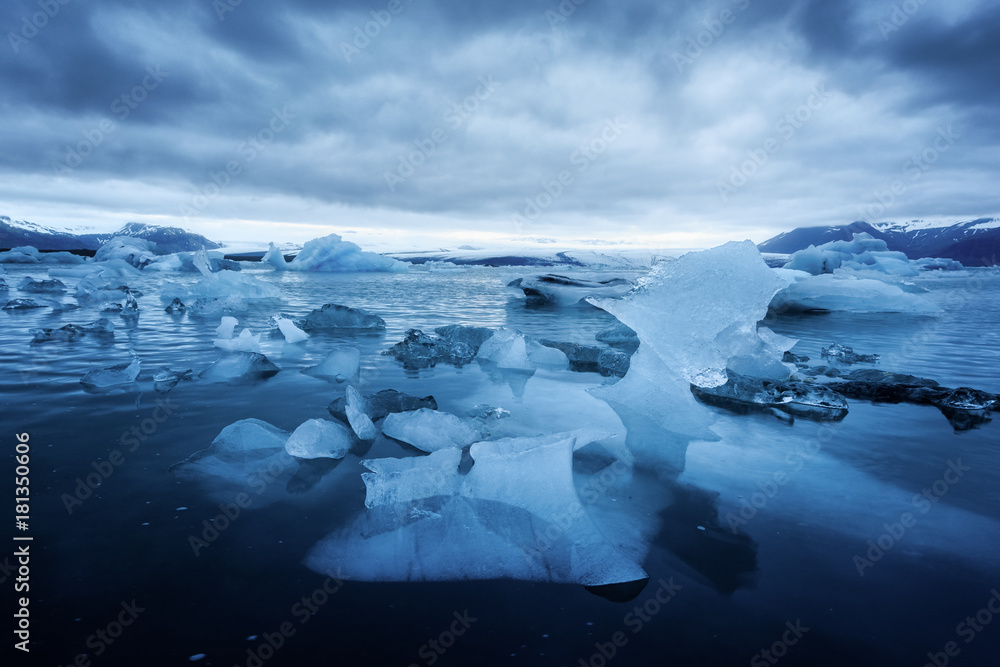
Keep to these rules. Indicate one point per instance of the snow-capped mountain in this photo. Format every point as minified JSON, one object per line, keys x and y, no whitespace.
{"x":972,"y":242}
{"x":14,"y":233}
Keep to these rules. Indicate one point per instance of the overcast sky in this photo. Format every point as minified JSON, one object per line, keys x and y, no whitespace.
{"x":666,"y":123}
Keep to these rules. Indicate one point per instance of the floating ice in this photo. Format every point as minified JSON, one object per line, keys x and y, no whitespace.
{"x":847,"y":355}
{"x":384,"y":403}
{"x":176,"y":307}
{"x":514,"y":515}
{"x":113,"y":376}
{"x":184,"y":262}
{"x":510,"y":349}
{"x":429,"y":430}
{"x":335,"y":316}
{"x":292,"y":333}
{"x":220,"y":285}
{"x":965,"y":398}
{"x":419,"y":350}
{"x":618,"y":334}
{"x":245,"y":342}
{"x":245,"y":440}
{"x":29,"y":284}
{"x":563,"y":291}
{"x":275,"y":258}
{"x":21,"y":255}
{"x":332,"y":254}
{"x":166,"y":379}
{"x":836,"y":292}
{"x":341,"y":364}
{"x":22,"y":304}
{"x":591,"y":358}
{"x":692,"y":315}
{"x":862,"y":253}
{"x":130,"y":311}
{"x":216,"y":307}
{"x":357,"y":411}
{"x":319,"y":438}
{"x":239,"y":366}
{"x":72,"y":331}
{"x":134,"y":251}
{"x":811,"y":401}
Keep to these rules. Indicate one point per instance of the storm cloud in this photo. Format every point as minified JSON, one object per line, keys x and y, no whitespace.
{"x":676,"y":124}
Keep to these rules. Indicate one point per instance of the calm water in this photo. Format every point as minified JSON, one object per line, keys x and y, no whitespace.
{"x":792,"y":561}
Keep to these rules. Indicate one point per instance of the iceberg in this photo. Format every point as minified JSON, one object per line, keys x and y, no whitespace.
{"x":133,"y":251}
{"x":515,"y":514}
{"x":113,"y":376}
{"x":21,"y":255}
{"x":563,"y":291}
{"x":333,"y":254}
{"x":357,"y":410}
{"x":429,"y":430}
{"x":239,"y":367}
{"x":341,"y":364}
{"x":29,"y":284}
{"x":224,"y":285}
{"x":383,"y":403}
{"x":319,"y":438}
{"x":841,"y":292}
{"x":335,"y":316}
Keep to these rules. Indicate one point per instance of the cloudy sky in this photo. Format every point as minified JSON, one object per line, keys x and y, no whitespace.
{"x":673,"y":124}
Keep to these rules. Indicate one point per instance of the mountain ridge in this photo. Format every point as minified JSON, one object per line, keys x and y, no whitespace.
{"x":973,"y":242}
{"x":165,"y":240}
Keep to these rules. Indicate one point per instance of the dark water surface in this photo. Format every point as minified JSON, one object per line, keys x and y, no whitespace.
{"x":747,"y":563}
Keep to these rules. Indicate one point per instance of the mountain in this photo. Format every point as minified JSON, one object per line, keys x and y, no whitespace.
{"x":14,"y":233}
{"x":972,"y":242}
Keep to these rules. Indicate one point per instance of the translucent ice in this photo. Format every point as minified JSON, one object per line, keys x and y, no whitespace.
{"x":510,"y":349}
{"x":22,"y":304}
{"x":357,"y":411}
{"x":275,"y":258}
{"x":515,"y":515}
{"x":429,"y":430}
{"x":129,"y":249}
{"x":847,"y":355}
{"x":341,"y":364}
{"x":245,"y":342}
{"x":72,"y":331}
{"x":226,"y":327}
{"x":113,"y":376}
{"x":692,"y":315}
{"x":383,"y":403}
{"x":319,"y":438}
{"x":245,"y":440}
{"x":335,"y":316}
{"x":219,"y":285}
{"x":292,"y":333}
{"x":166,"y":379}
{"x":839,"y":292}
{"x":618,"y":334}
{"x":333,"y":254}
{"x":29,"y":284}
{"x":239,"y":366}
{"x":564,"y":291}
